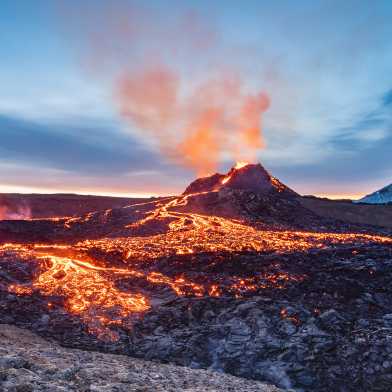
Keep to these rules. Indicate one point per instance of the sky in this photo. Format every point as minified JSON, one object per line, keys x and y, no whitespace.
{"x":74,"y":116}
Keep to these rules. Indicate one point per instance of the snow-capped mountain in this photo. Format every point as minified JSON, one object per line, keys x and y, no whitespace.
{"x":383,"y":196}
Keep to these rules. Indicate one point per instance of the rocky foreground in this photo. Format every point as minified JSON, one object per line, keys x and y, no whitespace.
{"x":29,"y":363}
{"x":330,"y":331}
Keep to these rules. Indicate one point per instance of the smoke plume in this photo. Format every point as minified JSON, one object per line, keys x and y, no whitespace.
{"x":173,"y":83}
{"x":18,"y":212}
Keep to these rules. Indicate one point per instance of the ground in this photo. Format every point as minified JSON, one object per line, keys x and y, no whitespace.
{"x":246,"y":282}
{"x":29,"y":363}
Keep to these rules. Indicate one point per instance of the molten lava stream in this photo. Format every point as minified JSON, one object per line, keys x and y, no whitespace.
{"x":91,"y":291}
{"x":88,"y":292}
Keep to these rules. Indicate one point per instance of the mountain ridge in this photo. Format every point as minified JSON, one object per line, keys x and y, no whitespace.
{"x":382,"y":196}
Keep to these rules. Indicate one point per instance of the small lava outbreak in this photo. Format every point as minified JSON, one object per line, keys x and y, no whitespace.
{"x":234,"y":274}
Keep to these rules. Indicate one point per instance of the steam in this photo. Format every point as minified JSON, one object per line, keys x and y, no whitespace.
{"x":196,"y":129}
{"x":19,"y":212}
{"x":173,"y":83}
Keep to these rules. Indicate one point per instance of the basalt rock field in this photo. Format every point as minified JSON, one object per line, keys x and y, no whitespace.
{"x":235,"y":275}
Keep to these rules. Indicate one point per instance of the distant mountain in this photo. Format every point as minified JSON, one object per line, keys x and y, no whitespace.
{"x":383,"y":196}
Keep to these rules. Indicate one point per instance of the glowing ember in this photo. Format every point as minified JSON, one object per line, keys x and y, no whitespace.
{"x":240,"y":165}
{"x":226,"y":179}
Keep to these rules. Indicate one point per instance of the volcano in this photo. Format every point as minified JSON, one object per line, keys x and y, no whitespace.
{"x":234,"y":275}
{"x":250,"y":177}
{"x":247,"y":193}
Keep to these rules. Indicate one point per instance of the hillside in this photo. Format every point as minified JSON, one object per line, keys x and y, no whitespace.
{"x":382,"y":196}
{"x":345,"y":210}
{"x":41,"y":206}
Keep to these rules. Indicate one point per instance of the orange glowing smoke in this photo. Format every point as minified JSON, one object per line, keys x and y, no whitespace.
{"x":149,"y":98}
{"x":198,"y":129}
{"x":250,"y":119}
{"x":173,"y":82}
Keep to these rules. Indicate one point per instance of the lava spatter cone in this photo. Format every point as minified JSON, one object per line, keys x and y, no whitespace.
{"x":249,"y":177}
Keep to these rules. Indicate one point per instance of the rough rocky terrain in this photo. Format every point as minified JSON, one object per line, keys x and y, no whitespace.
{"x":251,"y":283}
{"x":331,"y":330}
{"x":29,"y":363}
{"x":41,"y":206}
{"x":346,"y":210}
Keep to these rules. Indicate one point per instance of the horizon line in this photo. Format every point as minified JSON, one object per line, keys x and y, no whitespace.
{"x":4,"y":189}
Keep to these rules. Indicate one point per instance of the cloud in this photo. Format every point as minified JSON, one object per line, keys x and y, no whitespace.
{"x":358,"y":156}
{"x":88,"y":149}
{"x":94,"y":157}
{"x":368,"y":130}
{"x":387,"y":99}
{"x":325,"y":65}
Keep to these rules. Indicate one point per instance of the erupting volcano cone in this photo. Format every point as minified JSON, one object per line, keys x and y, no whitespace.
{"x":251,"y":177}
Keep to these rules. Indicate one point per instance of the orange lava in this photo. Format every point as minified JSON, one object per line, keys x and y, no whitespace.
{"x":91,"y":291}
{"x":226,"y":179}
{"x":237,"y":166}
{"x":240,"y":165}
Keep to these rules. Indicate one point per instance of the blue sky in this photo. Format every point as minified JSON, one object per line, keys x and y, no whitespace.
{"x":326,"y":66}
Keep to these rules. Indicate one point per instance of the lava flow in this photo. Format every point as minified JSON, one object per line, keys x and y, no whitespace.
{"x":162,"y":250}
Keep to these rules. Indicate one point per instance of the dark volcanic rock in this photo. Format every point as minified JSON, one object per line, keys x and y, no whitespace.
{"x":272,"y":208}
{"x":319,"y":335}
{"x":57,"y":205}
{"x":255,"y":178}
{"x":288,"y":307}
{"x":248,"y":193}
{"x":205,"y":184}
{"x":328,"y":332}
{"x":29,"y":364}
{"x":250,"y":177}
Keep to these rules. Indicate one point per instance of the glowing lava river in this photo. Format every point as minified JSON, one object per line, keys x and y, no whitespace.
{"x":244,"y":281}
{"x":107,"y":281}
